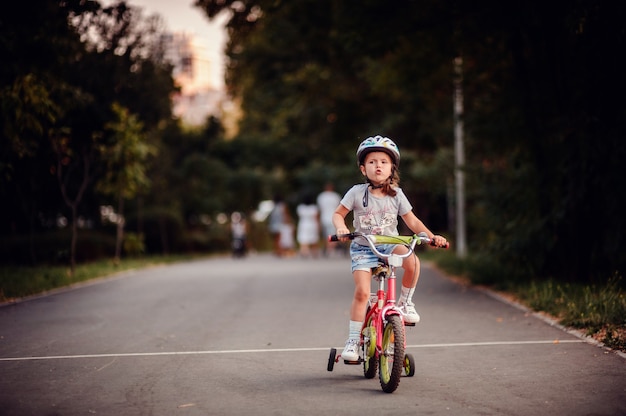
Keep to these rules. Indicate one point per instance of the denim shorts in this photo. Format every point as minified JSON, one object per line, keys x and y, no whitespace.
{"x":363,"y":258}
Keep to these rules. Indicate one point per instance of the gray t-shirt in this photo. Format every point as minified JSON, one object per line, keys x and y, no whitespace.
{"x":381,"y":214}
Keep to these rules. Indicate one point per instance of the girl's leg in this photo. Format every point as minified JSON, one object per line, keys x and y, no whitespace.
{"x":411,"y":266}
{"x":362,"y":287}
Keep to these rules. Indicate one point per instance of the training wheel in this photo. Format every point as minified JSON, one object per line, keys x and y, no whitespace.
{"x":409,"y":365}
{"x":331,"y":359}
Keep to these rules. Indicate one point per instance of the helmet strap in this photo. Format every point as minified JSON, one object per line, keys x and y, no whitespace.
{"x":371,"y":185}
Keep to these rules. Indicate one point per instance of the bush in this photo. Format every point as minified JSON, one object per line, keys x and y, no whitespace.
{"x":53,"y":247}
{"x":134,"y":244}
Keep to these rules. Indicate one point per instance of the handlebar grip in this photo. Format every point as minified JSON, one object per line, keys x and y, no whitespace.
{"x":336,"y":237}
{"x":432,"y":243}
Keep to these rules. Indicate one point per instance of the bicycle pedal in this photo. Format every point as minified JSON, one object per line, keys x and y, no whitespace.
{"x":409,"y":323}
{"x":357,"y":362}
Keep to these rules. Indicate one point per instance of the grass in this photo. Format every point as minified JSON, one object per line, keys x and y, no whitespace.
{"x":598,"y":310}
{"x":20,"y":281}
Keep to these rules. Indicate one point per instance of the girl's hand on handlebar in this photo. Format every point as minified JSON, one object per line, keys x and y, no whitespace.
{"x":440,"y":241}
{"x":342,"y":231}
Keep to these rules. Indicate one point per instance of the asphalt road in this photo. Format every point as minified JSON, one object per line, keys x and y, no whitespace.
{"x":252,"y":336}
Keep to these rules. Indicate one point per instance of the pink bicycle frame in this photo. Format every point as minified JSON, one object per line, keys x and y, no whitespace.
{"x":384,"y":305}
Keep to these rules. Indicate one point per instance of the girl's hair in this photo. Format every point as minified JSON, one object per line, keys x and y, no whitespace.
{"x":394,"y":181}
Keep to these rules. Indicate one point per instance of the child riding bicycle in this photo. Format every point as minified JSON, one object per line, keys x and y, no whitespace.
{"x":376,"y":206}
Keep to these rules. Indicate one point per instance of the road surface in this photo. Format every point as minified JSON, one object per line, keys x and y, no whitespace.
{"x":238,"y":337}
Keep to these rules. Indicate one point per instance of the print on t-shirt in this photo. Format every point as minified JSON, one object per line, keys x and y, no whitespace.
{"x":369,"y":222}
{"x":388,"y":220}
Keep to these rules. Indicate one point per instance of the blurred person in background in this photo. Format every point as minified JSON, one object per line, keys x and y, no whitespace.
{"x":327,"y":202}
{"x":287,"y":241}
{"x":239,"y":231}
{"x":308,"y":233}
{"x":276,"y":220}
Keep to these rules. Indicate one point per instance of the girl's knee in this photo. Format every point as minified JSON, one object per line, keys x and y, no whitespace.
{"x":362,"y":282}
{"x":361,"y":295}
{"x":411,"y":265}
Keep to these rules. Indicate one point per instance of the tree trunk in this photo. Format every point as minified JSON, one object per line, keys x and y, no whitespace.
{"x":73,"y":204}
{"x":120,"y":230}
{"x":74,"y":207}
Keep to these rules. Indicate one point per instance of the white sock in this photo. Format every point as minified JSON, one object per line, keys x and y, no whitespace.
{"x":406,"y":295}
{"x":355,"y":330}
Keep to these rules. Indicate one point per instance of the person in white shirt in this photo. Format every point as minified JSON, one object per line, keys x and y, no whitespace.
{"x":308,"y":232}
{"x":327,"y":202}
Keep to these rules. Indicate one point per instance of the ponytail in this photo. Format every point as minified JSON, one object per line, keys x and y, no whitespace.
{"x":393,"y":182}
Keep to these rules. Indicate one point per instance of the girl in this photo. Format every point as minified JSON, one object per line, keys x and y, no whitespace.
{"x":376,"y":205}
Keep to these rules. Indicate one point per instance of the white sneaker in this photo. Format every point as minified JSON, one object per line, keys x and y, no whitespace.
{"x":351,"y":350}
{"x":410,"y":314}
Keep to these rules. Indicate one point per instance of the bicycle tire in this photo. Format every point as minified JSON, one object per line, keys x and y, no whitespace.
{"x":331,"y":359}
{"x":370,"y":363}
{"x":391,"y":360}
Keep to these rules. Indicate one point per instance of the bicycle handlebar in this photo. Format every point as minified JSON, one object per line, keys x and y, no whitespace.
{"x":373,"y":239}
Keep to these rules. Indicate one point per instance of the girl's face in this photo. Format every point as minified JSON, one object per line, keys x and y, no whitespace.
{"x":377,"y":167}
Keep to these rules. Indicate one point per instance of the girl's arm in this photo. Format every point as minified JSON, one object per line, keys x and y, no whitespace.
{"x":417,"y":226}
{"x":339,"y":220}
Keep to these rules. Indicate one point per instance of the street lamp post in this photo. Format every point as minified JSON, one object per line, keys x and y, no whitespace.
{"x":459,"y":159}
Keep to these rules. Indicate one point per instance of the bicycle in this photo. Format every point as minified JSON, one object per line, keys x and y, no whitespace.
{"x":383,"y":342}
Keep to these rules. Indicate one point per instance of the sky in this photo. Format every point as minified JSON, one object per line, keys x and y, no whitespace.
{"x":181,"y":16}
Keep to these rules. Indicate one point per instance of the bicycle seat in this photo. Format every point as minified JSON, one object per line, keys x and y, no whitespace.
{"x":381,"y":270}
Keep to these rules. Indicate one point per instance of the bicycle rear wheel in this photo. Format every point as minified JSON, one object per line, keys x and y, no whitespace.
{"x":391,"y":360}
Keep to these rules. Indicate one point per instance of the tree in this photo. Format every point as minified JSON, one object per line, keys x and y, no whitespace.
{"x":125,"y":159}
{"x":73,"y":167}
{"x":66,"y":63}
{"x":543,"y":107}
{"x":28,"y":111}
{"x":33,"y":94}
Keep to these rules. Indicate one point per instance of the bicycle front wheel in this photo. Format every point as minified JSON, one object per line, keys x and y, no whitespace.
{"x":370,"y":365}
{"x":391,"y":360}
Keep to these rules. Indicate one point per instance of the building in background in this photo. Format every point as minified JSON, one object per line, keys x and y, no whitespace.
{"x":198,"y":98}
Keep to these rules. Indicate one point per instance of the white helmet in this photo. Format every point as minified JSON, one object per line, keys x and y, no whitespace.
{"x":378,"y":144}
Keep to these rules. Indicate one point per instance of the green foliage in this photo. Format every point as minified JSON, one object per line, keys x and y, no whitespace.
{"x":125,"y":157}
{"x":53,"y":247}
{"x":163,"y":229}
{"x":599,"y":309}
{"x":69,"y":63}
{"x":27,"y":112}
{"x":134,"y":244}
{"x":540,"y":141}
{"x":596,"y":305}
{"x":543,"y":119}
